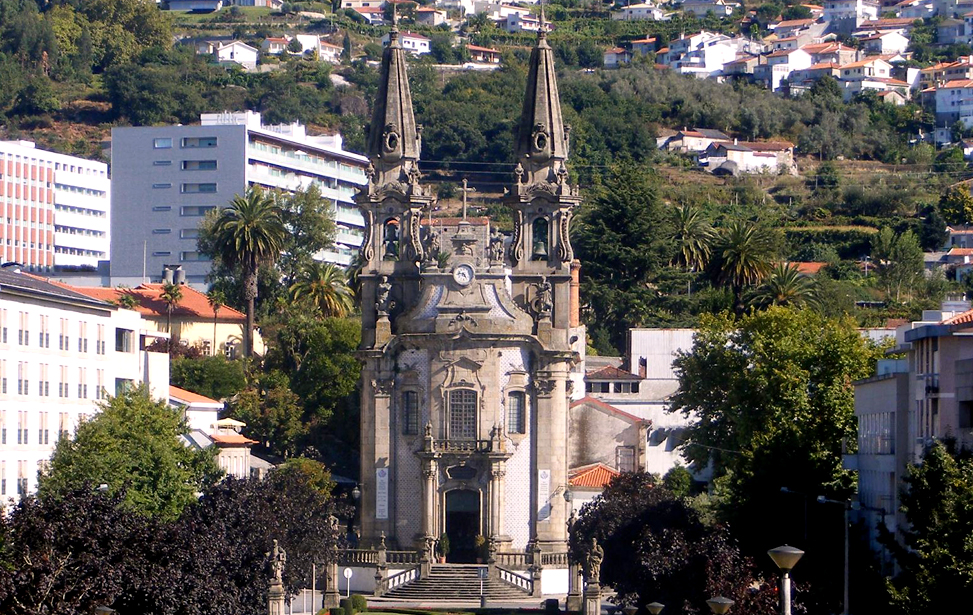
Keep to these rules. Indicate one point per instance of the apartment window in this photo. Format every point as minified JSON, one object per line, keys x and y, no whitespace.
{"x":3,"y":426}
{"x":625,"y":458}
{"x":196,"y":210}
{"x":192,"y":255}
{"x":191,"y":142}
{"x":3,"y":376}
{"x":44,"y":385}
{"x":161,"y":231}
{"x":162,"y":253}
{"x":3,"y":326}
{"x":462,"y":414}
{"x":82,"y":383}
{"x":22,"y":427}
{"x":122,"y":385}
{"x":62,"y":387}
{"x":410,"y":413}
{"x":162,"y":163}
{"x":123,"y":340}
{"x":3,"y":478}
{"x":189,"y":233}
{"x":22,"y":382}
{"x":21,"y":478}
{"x":82,"y":337}
{"x":43,"y":434}
{"x":62,"y":425}
{"x":516,"y":412}
{"x":198,"y":165}
{"x":100,"y":392}
{"x":162,"y":143}
{"x":23,"y":336}
{"x":162,"y":185}
{"x":44,"y":339}
{"x":63,"y":341}
{"x":199,"y":188}
{"x":100,"y":342}
{"x":162,"y":208}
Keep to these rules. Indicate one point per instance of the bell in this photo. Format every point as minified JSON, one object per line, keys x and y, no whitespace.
{"x":540,"y":250}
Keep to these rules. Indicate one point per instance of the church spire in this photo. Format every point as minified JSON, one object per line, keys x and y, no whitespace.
{"x":541,"y":136}
{"x":393,"y":137}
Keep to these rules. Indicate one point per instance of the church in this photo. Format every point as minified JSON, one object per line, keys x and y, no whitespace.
{"x":472,"y":345}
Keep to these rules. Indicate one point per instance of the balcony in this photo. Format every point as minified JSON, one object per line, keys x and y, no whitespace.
{"x":463,"y":446}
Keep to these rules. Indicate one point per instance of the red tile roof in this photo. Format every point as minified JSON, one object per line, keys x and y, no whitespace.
{"x":610,"y":372}
{"x":192,"y":305}
{"x":596,"y":475}
{"x":808,"y":267}
{"x":189,"y":397}
{"x":484,"y":49}
{"x":958,"y":83}
{"x":794,"y":22}
{"x":960,"y":252}
{"x":597,"y":403}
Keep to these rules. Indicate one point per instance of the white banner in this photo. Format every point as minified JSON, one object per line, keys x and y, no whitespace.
{"x":543,"y":495}
{"x":382,"y":493}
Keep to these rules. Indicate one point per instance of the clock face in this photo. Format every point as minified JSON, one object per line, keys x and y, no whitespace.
{"x":463,"y":274}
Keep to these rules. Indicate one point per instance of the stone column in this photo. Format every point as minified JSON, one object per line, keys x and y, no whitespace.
{"x":497,"y":473}
{"x":592,"y":598}
{"x":573,"y":602}
{"x":536,"y":569}
{"x":381,"y":567}
{"x":332,"y":596}
{"x":275,"y":599}
{"x":550,"y":455}
{"x":376,"y":455}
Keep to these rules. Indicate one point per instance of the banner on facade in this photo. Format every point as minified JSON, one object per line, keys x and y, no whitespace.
{"x":382,"y":493}
{"x":543,"y":495}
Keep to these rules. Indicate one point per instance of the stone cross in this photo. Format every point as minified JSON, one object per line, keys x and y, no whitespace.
{"x":466,"y":191}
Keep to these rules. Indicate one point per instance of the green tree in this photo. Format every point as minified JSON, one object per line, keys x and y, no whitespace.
{"x":171,"y":295}
{"x":324,"y":285}
{"x":215,"y":377}
{"x":246,"y":234}
{"x":936,"y":559}
{"x":693,"y":237}
{"x":956,"y":205}
{"x":37,"y":97}
{"x":309,"y":219}
{"x":133,"y":446}
{"x":217,"y":301}
{"x":273,"y":416}
{"x":743,"y":255}
{"x":785,"y":285}
{"x":899,"y":261}
{"x":294,"y":46}
{"x":678,"y":480}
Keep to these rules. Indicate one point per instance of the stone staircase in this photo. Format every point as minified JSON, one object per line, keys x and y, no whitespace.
{"x":456,"y":583}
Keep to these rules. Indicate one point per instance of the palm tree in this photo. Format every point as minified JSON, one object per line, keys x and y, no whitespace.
{"x":353,"y":273}
{"x":248,"y":233}
{"x":216,"y":299}
{"x":743,"y":257}
{"x":171,"y":294}
{"x":785,"y":285}
{"x":694,"y":237}
{"x":326,"y":287}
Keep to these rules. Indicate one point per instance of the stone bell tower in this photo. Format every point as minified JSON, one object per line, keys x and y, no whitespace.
{"x":468,"y":341}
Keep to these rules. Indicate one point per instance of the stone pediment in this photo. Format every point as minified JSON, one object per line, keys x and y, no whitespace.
{"x":484,"y":306}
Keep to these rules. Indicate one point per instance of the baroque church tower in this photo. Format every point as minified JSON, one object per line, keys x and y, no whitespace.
{"x":468,"y":340}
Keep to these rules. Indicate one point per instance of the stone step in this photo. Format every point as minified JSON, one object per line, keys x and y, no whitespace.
{"x":456,"y":582}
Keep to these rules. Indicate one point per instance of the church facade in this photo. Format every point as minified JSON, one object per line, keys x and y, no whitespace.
{"x":470,"y":341}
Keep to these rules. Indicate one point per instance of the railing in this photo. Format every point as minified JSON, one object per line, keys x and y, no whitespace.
{"x":511,"y":577}
{"x":402,"y":578}
{"x":513,"y":559}
{"x":402,"y":557}
{"x":463,"y":446}
{"x":557,"y":560}
{"x":358,"y":556}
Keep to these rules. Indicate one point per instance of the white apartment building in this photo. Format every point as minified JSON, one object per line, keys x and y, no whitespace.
{"x":61,"y":353}
{"x":415,"y":44}
{"x":168,"y":177}
{"x":645,"y":11}
{"x":56,"y":208}
{"x":857,"y":11}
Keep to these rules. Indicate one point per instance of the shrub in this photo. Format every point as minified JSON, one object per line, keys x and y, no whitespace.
{"x":359,"y":603}
{"x":347,"y":607}
{"x":335,"y":610}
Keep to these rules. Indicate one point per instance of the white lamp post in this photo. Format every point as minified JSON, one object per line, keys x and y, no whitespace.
{"x":719,"y":605}
{"x":786,"y":558}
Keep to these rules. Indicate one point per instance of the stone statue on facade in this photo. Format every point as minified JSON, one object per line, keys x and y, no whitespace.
{"x":496,"y":247}
{"x":545,"y":299}
{"x":594,"y":558}
{"x":278,"y":559}
{"x":383,"y":300}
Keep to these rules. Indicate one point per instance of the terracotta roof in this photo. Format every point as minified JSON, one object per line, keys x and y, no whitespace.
{"x":807,"y":267}
{"x":823,"y":65}
{"x":231,"y":438}
{"x":275,"y":39}
{"x":189,"y":397}
{"x":369,"y":9}
{"x":596,"y":475}
{"x":960,"y":319}
{"x":606,"y":407}
{"x":889,"y":93}
{"x":861,"y":63}
{"x":897,"y":21}
{"x":192,"y":305}
{"x":935,"y":67}
{"x":794,"y":22}
{"x":768,"y":146}
{"x":825,"y":47}
{"x":957,"y":83}
{"x":406,"y":33}
{"x":960,"y":252}
{"x":960,"y":230}
{"x":485,"y":49}
{"x":615,"y":50}
{"x":610,"y":372}
{"x":651,"y":39}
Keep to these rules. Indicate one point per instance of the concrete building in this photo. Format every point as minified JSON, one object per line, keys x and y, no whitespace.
{"x":415,"y":44}
{"x":233,"y":448}
{"x":200,"y":411}
{"x":56,"y":207}
{"x":61,"y":354}
{"x":168,"y":177}
{"x":469,"y":366}
{"x":645,"y":11}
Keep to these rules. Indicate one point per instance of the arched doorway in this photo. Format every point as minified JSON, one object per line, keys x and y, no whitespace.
{"x":462,"y":525}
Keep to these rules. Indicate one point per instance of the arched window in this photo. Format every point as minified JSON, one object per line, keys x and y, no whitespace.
{"x":541,"y":247}
{"x":390,"y":240}
{"x":410,"y":413}
{"x":462,"y":414}
{"x":516,"y":412}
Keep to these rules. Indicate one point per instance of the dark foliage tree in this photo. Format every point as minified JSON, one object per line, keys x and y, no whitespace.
{"x":658,"y":549}
{"x":215,"y":376}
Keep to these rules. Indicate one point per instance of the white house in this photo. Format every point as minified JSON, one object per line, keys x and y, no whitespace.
{"x":517,"y":22}
{"x":236,"y":52}
{"x":61,"y":354}
{"x":780,"y":65}
{"x":885,"y":43}
{"x":483,"y":55}
{"x":374,"y":15}
{"x":430,"y":16}
{"x":701,"y":8}
{"x":862,"y":69}
{"x":791,"y":27}
{"x":362,"y":4}
{"x":831,"y":51}
{"x":855,"y":12}
{"x":734,"y":158}
{"x":706,"y":60}
{"x":275,"y":44}
{"x":233,"y":456}
{"x":195,"y":5}
{"x":644,"y":45}
{"x":915,"y":9}
{"x":200,"y":411}
{"x":498,"y":11}
{"x":416,"y":44}
{"x":616,"y":56}
{"x":645,"y":11}
{"x":954,"y":102}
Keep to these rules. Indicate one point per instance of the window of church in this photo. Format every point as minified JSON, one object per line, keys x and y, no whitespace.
{"x":462,"y":414}
{"x":410,"y":413}
{"x":390,"y":240}
{"x":541,"y":247}
{"x":516,"y":413}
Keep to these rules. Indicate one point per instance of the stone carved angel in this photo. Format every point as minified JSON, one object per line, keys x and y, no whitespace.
{"x":278,"y":559}
{"x":383,"y":300}
{"x":496,"y":247}
{"x":595,"y":556}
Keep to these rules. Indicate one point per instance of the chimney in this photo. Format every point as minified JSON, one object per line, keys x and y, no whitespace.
{"x":643,"y":366}
{"x":180,"y":276}
{"x":167,"y":274}
{"x":575,"y":293}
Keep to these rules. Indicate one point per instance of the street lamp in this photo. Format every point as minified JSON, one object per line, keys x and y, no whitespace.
{"x":655,"y":607}
{"x":786,"y":558}
{"x":356,"y":496}
{"x":719,"y":605}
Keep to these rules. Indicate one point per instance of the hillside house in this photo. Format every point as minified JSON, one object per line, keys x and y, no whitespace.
{"x":374,"y":15}
{"x":645,"y":11}
{"x":831,"y":51}
{"x":230,"y":53}
{"x":430,"y":16}
{"x":883,"y":43}
{"x":701,"y":8}
{"x":643,"y":45}
{"x":275,"y":45}
{"x":695,"y":140}
{"x":844,"y":16}
{"x":483,"y":55}
{"x":616,"y":56}
{"x":517,"y":22}
{"x":915,"y":9}
{"x":736,"y":158}
{"x":780,"y":65}
{"x":415,"y":44}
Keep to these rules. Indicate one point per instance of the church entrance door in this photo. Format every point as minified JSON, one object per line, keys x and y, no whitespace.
{"x":462,"y":525}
